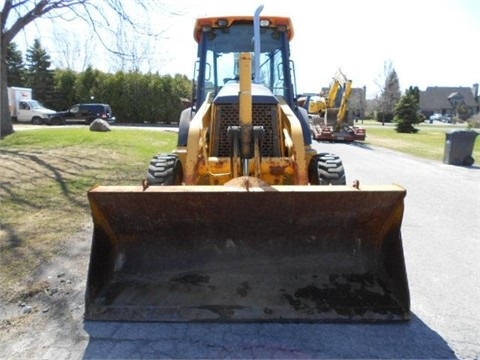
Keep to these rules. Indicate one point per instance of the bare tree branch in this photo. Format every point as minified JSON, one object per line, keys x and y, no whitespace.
{"x":105,"y":18}
{"x":40,"y":9}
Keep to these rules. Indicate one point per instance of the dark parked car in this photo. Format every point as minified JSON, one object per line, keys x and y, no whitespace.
{"x":83,"y":114}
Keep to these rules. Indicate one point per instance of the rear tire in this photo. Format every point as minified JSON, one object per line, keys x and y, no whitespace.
{"x":165,"y":169}
{"x":326,"y":169}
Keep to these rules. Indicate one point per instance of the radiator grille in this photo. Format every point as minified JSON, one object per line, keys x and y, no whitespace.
{"x":263,"y":115}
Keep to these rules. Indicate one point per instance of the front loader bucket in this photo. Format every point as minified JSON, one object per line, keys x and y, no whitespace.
{"x":220,"y":253}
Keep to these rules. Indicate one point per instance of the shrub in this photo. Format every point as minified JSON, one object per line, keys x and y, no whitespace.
{"x":474,"y":122}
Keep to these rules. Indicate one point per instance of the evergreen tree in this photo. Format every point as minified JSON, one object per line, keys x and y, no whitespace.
{"x":15,"y":66}
{"x":39,"y":77}
{"x":406,"y":114}
{"x":64,"y":89}
{"x":413,"y":90}
{"x":86,"y":85}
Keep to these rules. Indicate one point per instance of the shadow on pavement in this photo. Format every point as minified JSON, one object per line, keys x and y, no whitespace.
{"x":359,"y":144}
{"x":412,"y":340}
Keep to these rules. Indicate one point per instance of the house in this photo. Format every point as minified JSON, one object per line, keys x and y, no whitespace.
{"x":447,"y":100}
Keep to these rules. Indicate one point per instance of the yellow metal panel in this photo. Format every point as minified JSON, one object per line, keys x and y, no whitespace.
{"x":195,"y":140}
{"x":274,"y":171}
{"x":299,"y":152}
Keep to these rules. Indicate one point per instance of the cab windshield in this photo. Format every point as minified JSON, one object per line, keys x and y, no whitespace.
{"x":34,"y":104}
{"x":223,"y":47}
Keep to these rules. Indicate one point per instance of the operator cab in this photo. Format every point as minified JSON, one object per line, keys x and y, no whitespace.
{"x":220,"y":42}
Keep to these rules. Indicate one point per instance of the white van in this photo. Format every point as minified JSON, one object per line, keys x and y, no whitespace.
{"x":24,"y":109}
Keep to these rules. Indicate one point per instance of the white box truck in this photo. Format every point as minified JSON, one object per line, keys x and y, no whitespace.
{"x":24,"y":109}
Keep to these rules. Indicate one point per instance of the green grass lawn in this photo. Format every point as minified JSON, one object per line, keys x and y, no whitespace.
{"x":46,"y":174}
{"x":428,"y":142}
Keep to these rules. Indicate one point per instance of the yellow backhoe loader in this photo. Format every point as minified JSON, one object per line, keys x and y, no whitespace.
{"x":235,"y":225}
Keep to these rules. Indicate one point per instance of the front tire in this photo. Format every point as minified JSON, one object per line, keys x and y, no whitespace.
{"x":184,"y":126}
{"x":165,"y":169}
{"x":37,"y":121}
{"x":326,"y":169}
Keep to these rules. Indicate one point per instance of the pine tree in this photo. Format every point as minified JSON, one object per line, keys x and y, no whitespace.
{"x":406,"y":114}
{"x":413,"y":90}
{"x":64,"y":89}
{"x":39,"y":77}
{"x":86,"y":85}
{"x":15,"y":66}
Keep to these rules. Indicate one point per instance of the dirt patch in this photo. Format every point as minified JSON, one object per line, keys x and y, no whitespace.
{"x":45,"y":317}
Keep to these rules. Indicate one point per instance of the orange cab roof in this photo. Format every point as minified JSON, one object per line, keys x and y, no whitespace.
{"x":212,"y":21}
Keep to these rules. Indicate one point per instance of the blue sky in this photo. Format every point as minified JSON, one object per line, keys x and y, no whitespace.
{"x":428,"y":42}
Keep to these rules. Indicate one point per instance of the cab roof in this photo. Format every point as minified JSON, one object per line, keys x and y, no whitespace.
{"x":216,"y":22}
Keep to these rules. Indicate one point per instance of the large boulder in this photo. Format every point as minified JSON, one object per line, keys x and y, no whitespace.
{"x":100,"y":125}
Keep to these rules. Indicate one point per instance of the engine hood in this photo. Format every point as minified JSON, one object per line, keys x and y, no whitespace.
{"x":229,"y":94}
{"x":59,"y":113}
{"x":45,"y":111}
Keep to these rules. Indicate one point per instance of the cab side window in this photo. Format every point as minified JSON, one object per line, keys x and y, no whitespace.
{"x":23,"y":105}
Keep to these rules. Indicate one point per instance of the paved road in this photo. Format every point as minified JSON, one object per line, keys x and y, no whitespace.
{"x":441,"y":240}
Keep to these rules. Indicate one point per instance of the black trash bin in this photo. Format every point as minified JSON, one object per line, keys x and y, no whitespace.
{"x":459,"y":147}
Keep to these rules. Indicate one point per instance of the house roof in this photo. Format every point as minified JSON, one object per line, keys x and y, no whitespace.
{"x":435,"y":98}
